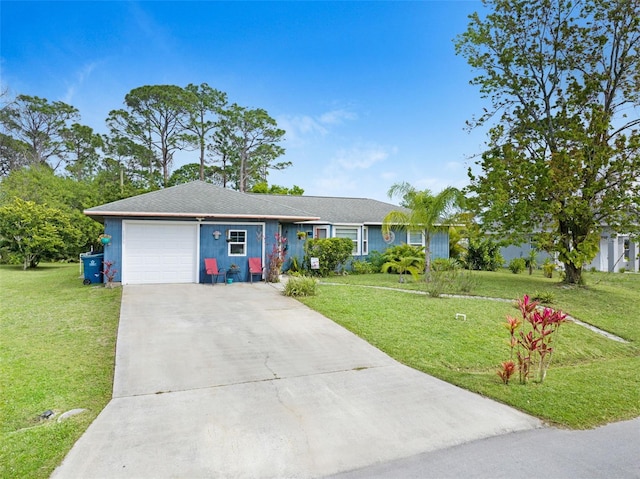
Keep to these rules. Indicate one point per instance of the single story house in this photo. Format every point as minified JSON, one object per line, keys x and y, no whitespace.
{"x":164,"y":236}
{"x":616,"y":252}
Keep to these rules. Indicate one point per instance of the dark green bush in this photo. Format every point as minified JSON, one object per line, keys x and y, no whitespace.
{"x":376,"y":259}
{"x":483,"y":254}
{"x":332,"y":253}
{"x":363,"y":267}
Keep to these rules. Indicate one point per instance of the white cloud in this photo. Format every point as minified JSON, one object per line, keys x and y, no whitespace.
{"x":350,"y":169}
{"x":299,"y":127}
{"x":335,"y":183}
{"x":78,"y":80}
{"x":337,"y":117}
{"x":389,"y":176}
{"x":360,"y":158}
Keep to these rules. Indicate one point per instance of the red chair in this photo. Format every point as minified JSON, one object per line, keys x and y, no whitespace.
{"x":211,"y":266}
{"x":255,"y":267}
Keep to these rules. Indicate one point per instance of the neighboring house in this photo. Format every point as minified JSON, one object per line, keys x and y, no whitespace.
{"x":616,"y":252}
{"x":164,"y":236}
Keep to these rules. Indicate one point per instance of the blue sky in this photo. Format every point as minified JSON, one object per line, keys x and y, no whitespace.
{"x":370,"y":93}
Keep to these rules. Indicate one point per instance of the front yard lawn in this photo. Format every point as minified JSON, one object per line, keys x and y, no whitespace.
{"x":592,"y":380}
{"x":57,"y":349}
{"x":57,"y":352}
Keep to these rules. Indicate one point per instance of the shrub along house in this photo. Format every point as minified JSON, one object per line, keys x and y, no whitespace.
{"x":164,"y":236}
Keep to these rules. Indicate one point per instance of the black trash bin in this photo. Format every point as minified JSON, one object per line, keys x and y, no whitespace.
{"x":92,"y":264}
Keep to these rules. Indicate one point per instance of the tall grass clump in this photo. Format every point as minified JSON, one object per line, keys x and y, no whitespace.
{"x":301,"y":286}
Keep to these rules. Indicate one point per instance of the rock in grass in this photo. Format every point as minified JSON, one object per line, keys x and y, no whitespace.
{"x":48,"y":414}
{"x":68,"y":414}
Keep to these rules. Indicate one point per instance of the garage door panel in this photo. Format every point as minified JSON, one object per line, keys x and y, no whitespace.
{"x":160,"y":253}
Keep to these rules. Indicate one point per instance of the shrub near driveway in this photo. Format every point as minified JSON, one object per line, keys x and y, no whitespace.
{"x":593,"y":380}
{"x":57,"y":352}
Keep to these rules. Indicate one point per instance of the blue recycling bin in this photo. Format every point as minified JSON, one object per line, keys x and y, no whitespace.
{"x":92,"y":265}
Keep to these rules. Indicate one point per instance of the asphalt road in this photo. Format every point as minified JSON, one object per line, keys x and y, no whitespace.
{"x":611,"y":452}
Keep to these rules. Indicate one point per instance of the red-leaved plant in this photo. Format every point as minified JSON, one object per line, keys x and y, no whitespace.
{"x":109,"y":272}
{"x":276,"y":258}
{"x":531,"y":339}
{"x":508,"y":368}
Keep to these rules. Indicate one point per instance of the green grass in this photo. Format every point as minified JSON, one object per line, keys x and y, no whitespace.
{"x":592,"y":380}
{"x":57,"y":351}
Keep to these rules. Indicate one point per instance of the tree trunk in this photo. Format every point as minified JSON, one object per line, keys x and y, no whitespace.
{"x":573,"y":274}
{"x":427,"y":256}
{"x":202,"y":161}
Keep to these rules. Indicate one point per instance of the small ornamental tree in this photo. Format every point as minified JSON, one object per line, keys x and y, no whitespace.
{"x":109,"y":272}
{"x":531,"y":341}
{"x":402,"y":265}
{"x":276,"y":258}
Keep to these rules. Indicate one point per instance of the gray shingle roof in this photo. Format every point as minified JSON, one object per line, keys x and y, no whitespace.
{"x":338,"y":210}
{"x":200,"y":199}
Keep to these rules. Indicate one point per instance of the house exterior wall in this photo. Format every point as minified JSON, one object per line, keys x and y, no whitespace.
{"x":260,"y":239}
{"x":113,"y":250}
{"x":616,"y":252}
{"x":210,"y":247}
{"x":440,"y":245}
{"x":522,"y":251}
{"x":375,"y":239}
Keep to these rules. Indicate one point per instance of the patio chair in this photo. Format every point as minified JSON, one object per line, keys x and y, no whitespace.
{"x":255,"y":267}
{"x":211,"y":267}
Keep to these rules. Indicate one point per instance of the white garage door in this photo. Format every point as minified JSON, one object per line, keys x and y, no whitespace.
{"x":159,"y":252}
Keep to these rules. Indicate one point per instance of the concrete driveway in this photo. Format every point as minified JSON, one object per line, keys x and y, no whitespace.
{"x":240,"y":381}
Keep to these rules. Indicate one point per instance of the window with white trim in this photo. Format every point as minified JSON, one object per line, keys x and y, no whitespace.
{"x":365,"y":240}
{"x":237,"y":242}
{"x":415,"y":238}
{"x":352,"y":233}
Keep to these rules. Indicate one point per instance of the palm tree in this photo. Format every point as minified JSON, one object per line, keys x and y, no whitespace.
{"x":426,"y":213}
{"x":404,"y":264}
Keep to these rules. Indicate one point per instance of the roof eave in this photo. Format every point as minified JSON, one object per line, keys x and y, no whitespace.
{"x":208,"y":216}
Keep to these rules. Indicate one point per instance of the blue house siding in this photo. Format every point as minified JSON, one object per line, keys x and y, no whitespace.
{"x":439,"y":242}
{"x":219,"y":248}
{"x":295,"y":246}
{"x":113,"y":250}
{"x":440,"y":245}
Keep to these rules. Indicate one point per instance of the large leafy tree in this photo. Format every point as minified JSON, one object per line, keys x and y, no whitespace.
{"x":425,"y":212}
{"x":37,"y":127}
{"x":65,"y":195}
{"x":204,"y":105}
{"x":563,"y":81}
{"x":34,"y":232}
{"x":154,"y":118}
{"x":246,"y":142}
